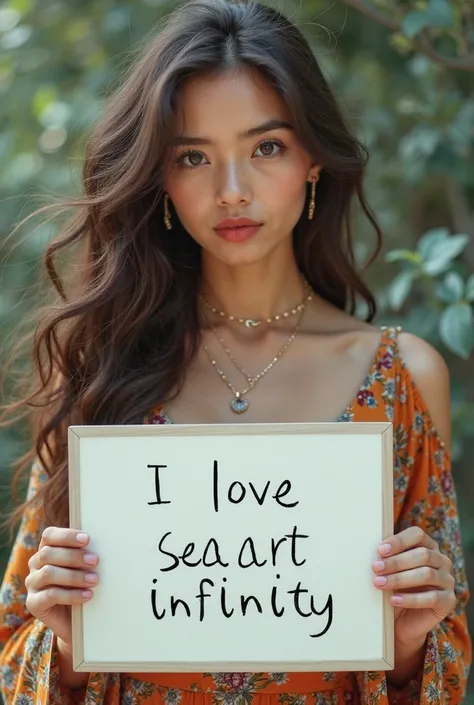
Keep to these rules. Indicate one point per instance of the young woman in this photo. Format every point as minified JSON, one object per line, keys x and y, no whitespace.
{"x":216,"y":284}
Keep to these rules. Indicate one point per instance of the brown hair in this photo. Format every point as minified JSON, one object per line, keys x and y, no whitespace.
{"x":124,"y":325}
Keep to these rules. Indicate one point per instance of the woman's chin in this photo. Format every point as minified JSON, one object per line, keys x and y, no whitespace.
{"x":252,"y":251}
{"x":242,"y":254}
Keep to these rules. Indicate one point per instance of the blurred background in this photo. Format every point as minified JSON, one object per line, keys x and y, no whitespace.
{"x":404,"y":73}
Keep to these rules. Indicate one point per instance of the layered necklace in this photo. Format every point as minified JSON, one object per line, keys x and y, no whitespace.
{"x":239,"y":404}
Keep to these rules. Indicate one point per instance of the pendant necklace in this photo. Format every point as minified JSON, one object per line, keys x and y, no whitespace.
{"x":239,"y":404}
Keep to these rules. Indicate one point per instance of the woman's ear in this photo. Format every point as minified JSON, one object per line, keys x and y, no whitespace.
{"x":314,"y":173}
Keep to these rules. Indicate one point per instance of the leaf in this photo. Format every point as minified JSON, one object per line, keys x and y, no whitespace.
{"x":414,"y":22}
{"x":403,"y":255}
{"x":438,"y":14}
{"x":423,"y":320}
{"x":421,"y":142}
{"x":400,"y":288}
{"x":430,"y":239}
{"x":469,"y":295}
{"x":441,"y":13}
{"x":456,"y":329}
{"x":443,"y":252}
{"x":451,"y":289}
{"x":460,"y":128}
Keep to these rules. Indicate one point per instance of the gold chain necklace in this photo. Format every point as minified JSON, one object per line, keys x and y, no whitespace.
{"x":239,"y":404}
{"x":252,"y":323}
{"x":250,"y":380}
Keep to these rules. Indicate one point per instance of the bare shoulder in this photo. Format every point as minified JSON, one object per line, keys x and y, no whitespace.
{"x":425,"y":363}
{"x":431,"y":375}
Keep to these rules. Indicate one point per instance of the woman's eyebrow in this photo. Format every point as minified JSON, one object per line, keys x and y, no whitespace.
{"x":252,"y":132}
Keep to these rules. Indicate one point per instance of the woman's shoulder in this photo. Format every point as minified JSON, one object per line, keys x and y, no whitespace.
{"x":408,"y":382}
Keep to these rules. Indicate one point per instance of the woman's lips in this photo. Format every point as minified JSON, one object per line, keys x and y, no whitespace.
{"x":238,"y":234}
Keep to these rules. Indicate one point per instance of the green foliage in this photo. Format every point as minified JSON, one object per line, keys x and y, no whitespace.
{"x":448,"y":293}
{"x":438,"y":13}
{"x":456,"y":328}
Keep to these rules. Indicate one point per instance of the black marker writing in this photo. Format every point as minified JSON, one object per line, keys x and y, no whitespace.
{"x":210,"y":557}
{"x":283,"y":492}
{"x":286,"y":551}
{"x":215,"y":487}
{"x":153,"y":604}
{"x":248,"y":543}
{"x":157,"y":485}
{"x":276,"y":611}
{"x":327,"y":607}
{"x":248,"y":604}
{"x":293,"y":536}
{"x":224,"y":609}
{"x":237,"y":491}
{"x":202,"y":595}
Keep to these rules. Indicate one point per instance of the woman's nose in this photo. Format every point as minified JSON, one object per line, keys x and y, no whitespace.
{"x":233,"y":187}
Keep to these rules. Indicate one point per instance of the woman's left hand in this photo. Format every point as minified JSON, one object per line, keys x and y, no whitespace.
{"x":421,"y":578}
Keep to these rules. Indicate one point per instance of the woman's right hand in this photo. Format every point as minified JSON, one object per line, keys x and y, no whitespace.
{"x":58,"y":579}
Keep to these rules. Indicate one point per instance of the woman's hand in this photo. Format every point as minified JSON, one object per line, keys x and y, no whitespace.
{"x":412,"y":565}
{"x":58,"y":578}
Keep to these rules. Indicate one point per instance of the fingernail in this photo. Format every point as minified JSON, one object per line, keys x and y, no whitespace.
{"x":380,"y":581}
{"x":379,"y":565}
{"x":91,"y":577}
{"x":90,"y":558}
{"x":82,"y":538}
{"x":397,"y":599}
{"x":385,"y":548}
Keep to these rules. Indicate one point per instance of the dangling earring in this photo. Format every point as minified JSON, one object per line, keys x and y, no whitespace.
{"x":167,"y":213}
{"x":312,"y":203}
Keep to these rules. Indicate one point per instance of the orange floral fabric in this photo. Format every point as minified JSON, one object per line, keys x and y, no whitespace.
{"x":424,"y":495}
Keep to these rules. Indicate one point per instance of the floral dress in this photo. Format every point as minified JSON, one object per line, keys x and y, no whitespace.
{"x":423,"y":495}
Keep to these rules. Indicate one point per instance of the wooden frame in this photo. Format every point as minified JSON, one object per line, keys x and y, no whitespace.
{"x":382,"y":435}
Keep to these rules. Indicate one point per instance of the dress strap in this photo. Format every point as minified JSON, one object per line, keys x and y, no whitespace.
{"x":389,"y":341}
{"x":395,"y":330}
{"x":391,"y":333}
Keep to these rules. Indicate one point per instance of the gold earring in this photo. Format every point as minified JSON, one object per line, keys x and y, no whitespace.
{"x":167,"y":213}
{"x":312,"y":203}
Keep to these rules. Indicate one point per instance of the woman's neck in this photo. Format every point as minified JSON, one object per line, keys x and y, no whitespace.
{"x":253,"y":291}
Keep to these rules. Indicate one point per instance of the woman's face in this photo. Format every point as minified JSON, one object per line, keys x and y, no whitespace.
{"x":218,"y":171}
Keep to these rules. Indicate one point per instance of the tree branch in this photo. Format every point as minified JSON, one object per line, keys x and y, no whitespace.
{"x":452,"y":62}
{"x":421,"y":43}
{"x":373,"y":14}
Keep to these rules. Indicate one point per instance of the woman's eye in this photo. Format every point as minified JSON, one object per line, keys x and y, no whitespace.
{"x":194,"y":157}
{"x":267,"y":148}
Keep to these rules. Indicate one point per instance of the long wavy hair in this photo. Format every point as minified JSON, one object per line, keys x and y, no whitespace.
{"x":122,"y":326}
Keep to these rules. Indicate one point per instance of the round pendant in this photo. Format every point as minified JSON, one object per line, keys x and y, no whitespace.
{"x":239,"y":405}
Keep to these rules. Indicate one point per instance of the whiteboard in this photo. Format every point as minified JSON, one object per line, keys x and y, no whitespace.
{"x":233,"y":547}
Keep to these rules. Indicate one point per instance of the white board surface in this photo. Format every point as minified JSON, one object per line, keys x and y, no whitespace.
{"x":253,"y":554}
